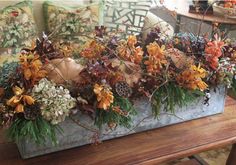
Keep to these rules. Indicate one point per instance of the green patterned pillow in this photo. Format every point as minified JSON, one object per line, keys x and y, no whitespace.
{"x":124,"y":15}
{"x":71,"y":24}
{"x":17,"y":26}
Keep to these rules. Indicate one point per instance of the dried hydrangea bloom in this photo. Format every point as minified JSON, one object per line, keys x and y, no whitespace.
{"x":55,"y":102}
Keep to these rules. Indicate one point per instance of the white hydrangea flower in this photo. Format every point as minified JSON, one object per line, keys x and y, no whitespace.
{"x":55,"y":102}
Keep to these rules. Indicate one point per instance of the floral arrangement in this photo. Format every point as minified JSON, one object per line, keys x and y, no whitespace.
{"x":228,"y":3}
{"x":49,"y":83}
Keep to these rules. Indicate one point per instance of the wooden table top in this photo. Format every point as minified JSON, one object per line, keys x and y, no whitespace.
{"x":181,"y":7}
{"x":150,"y":147}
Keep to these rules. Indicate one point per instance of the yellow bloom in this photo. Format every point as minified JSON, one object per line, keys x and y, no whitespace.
{"x":32,"y":67}
{"x":154,"y":49}
{"x":14,"y":101}
{"x":132,"y":40}
{"x":36,"y":65}
{"x":156,"y":59}
{"x":202,"y":85}
{"x":191,"y":78}
{"x":18,"y":91}
{"x":199,"y":70}
{"x":19,"y":100}
{"x":104,"y":96}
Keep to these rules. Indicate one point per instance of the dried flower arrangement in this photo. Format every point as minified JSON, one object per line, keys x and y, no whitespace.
{"x":50,"y":83}
{"x":228,"y":3}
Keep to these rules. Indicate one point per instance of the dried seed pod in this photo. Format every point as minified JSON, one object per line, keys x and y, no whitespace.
{"x":123,"y":89}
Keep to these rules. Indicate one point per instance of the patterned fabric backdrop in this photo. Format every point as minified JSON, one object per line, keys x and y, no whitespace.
{"x":124,"y":15}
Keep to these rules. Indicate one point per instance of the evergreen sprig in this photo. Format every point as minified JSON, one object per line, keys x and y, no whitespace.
{"x":170,"y":95}
{"x":110,"y":116}
{"x":39,"y":131}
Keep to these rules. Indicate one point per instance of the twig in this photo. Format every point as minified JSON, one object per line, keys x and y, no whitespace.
{"x":83,"y":125}
{"x":172,"y":114}
{"x":130,"y":130}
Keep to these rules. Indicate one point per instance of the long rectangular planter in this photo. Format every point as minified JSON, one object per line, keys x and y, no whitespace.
{"x":75,"y":135}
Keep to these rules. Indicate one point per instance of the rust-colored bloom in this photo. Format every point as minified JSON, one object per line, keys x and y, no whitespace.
{"x":129,"y":52}
{"x":19,"y":99}
{"x":154,"y":49}
{"x":32,"y":68}
{"x":19,"y":108}
{"x":213,"y":51}
{"x":156,"y":59}
{"x":119,"y":111}
{"x":192,"y":77}
{"x":93,"y":50}
{"x":104,"y":96}
{"x":229,"y":3}
{"x":132,"y":40}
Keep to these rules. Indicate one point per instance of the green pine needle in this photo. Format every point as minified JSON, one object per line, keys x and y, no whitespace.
{"x":105,"y":117}
{"x":39,"y":131}
{"x":170,"y":95}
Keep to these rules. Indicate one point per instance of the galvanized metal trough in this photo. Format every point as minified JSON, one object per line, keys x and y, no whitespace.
{"x":75,"y":135}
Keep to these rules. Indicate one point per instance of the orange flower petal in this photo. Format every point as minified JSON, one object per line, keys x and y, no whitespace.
{"x":27,"y":74}
{"x":17,"y":90}
{"x":28,"y":99}
{"x":19,"y":108}
{"x":13,"y":101}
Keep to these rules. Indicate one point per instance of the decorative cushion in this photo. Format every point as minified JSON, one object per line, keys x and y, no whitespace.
{"x":124,"y":15}
{"x":17,"y":30}
{"x":151,"y":20}
{"x":17,"y":25}
{"x":71,"y":24}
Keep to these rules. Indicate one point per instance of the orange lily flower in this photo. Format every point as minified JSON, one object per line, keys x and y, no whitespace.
{"x":19,"y":100}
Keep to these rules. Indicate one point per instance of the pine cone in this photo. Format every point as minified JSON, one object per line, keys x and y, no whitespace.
{"x":32,"y":112}
{"x":123,"y":89}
